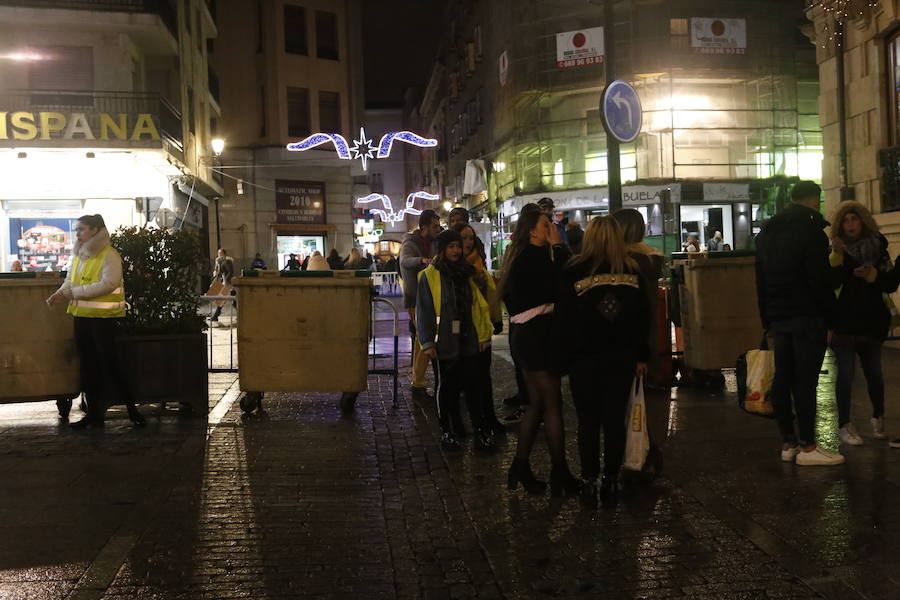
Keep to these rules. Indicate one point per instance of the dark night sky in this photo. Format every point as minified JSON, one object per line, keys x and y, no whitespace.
{"x":394,"y":61}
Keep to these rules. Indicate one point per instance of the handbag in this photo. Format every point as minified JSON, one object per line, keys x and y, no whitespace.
{"x":637,"y":439}
{"x":755,"y":374}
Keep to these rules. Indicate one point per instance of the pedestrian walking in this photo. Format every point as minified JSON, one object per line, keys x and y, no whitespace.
{"x":224,"y":271}
{"x":649,"y":262}
{"x":317,"y":262}
{"x":528,"y":285}
{"x":335,"y":262}
{"x":95,"y":291}
{"x":796,"y":304}
{"x":603,"y":308}
{"x":416,"y":254}
{"x":485,"y":282}
{"x":862,"y":267}
{"x":454,"y":328}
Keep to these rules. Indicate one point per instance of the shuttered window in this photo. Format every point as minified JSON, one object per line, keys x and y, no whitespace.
{"x":63,"y":68}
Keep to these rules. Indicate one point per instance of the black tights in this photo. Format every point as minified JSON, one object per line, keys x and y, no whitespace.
{"x":544,"y":403}
{"x":102,"y":378}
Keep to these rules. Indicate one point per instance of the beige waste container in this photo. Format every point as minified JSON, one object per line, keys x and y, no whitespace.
{"x":719,"y":311}
{"x":306,"y":333}
{"x":38,"y":360}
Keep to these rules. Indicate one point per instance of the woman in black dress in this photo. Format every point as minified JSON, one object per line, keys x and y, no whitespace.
{"x":528,"y":286}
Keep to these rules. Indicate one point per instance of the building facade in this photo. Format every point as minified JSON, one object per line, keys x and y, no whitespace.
{"x":729,"y":93}
{"x":105,"y":107}
{"x":860,"y":107}
{"x":294,"y":72}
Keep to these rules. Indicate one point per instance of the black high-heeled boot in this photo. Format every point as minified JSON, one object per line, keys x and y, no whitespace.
{"x":449,"y":441}
{"x":136,"y":418}
{"x":588,"y":495}
{"x":520,"y":472}
{"x":609,"y":490}
{"x":563,"y":483}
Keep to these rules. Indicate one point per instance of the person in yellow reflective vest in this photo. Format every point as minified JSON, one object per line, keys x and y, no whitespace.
{"x":96,"y":295}
{"x":454,"y":326}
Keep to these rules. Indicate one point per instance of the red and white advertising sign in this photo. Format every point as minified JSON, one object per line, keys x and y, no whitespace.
{"x":579,"y":48}
{"x":719,"y":36}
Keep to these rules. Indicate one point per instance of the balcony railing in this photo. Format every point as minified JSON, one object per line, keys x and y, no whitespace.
{"x":93,"y":103}
{"x":166,"y":9}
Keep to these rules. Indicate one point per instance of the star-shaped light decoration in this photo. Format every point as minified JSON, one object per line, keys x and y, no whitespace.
{"x":362,"y":148}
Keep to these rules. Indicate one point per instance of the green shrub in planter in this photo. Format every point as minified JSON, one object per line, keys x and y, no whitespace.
{"x":161,"y":269}
{"x":162,"y":341}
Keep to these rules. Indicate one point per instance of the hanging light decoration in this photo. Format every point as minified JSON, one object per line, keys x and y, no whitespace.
{"x":838,"y":12}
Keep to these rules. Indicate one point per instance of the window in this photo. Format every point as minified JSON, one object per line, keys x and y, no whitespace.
{"x":190,"y":112}
{"x":71,"y":68}
{"x":199,"y":30}
{"x":294,"y":29}
{"x":330,"y":112}
{"x":679,"y":29}
{"x":890,"y":157}
{"x":187,"y":15}
{"x":326,"y":35}
{"x":259,"y":26}
{"x":298,"y":112}
{"x":893,"y":50}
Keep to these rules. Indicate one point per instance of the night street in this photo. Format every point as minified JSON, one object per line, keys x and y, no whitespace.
{"x":303,"y":502}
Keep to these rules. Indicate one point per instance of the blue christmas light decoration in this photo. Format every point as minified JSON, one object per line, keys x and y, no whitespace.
{"x":317,"y":139}
{"x":387,"y":141}
{"x":387,"y":214}
{"x":362,"y":148}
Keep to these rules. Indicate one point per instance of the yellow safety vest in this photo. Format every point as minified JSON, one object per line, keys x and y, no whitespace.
{"x":481,"y":315}
{"x":108,"y":306}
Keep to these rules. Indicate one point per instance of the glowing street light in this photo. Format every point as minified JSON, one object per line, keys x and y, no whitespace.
{"x":218,"y":146}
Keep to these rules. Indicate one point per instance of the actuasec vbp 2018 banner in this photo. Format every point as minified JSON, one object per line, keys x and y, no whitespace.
{"x":579,"y":48}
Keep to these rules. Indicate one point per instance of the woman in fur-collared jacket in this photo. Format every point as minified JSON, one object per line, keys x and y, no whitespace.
{"x":96,"y":295}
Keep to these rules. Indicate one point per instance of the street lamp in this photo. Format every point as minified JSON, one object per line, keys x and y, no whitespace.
{"x":448,"y":205}
{"x":218,"y":146}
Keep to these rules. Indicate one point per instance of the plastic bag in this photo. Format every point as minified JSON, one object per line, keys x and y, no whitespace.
{"x":755,"y":374}
{"x":637,"y":440}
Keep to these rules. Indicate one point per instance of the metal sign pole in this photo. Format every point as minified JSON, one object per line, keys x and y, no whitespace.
{"x":613,"y":161}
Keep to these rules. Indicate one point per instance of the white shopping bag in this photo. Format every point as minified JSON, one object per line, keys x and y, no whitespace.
{"x":637,"y":440}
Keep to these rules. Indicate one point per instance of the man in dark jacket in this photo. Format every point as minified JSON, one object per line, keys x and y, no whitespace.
{"x":416,"y":254}
{"x":796,"y":303}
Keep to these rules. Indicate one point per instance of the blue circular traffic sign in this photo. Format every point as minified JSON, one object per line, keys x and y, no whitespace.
{"x":621,"y":111}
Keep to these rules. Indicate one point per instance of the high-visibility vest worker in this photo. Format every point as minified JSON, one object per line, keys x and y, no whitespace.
{"x":481,"y":316}
{"x":88,"y":272}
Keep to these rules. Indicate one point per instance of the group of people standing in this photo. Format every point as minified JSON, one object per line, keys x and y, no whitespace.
{"x":813,"y":295}
{"x":587,"y":315}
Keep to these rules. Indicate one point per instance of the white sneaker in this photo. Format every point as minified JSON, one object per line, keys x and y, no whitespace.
{"x":849,"y":435}
{"x":790,"y":454}
{"x":878,"y":428}
{"x":818,"y":457}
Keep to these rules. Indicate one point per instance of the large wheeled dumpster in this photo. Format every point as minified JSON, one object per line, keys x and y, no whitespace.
{"x":303,"y":331}
{"x":38,"y":360}
{"x":719,"y":310}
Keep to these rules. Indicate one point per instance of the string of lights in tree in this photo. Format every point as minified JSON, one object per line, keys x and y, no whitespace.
{"x":386,"y":212}
{"x":362,"y":148}
{"x":838,"y":12}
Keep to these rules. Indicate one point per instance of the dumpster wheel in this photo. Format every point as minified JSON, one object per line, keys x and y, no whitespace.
{"x":64,"y":407}
{"x":251,"y":401}
{"x":348,"y":401}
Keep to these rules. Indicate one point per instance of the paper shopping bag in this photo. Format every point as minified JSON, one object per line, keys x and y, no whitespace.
{"x":637,"y":440}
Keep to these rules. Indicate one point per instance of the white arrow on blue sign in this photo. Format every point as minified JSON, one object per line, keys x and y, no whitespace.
{"x":621,"y":111}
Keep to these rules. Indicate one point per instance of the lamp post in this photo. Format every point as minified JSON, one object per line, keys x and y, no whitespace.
{"x":218,"y":146}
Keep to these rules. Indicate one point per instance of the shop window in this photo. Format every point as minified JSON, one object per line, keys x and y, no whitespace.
{"x":71,"y":68}
{"x":298,"y":112}
{"x":330,"y":112}
{"x":294,"y":29}
{"x":326,"y":35}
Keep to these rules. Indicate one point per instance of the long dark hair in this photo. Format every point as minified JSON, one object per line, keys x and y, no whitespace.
{"x":632,"y":223}
{"x":521,"y":238}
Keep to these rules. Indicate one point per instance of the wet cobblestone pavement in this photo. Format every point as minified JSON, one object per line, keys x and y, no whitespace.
{"x":303,"y":502}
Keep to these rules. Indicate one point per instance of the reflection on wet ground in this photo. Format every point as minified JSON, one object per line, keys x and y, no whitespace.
{"x":305,"y":502}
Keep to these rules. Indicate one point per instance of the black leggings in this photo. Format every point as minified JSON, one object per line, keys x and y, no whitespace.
{"x":102,"y":378}
{"x":601,"y":393}
{"x":453,"y":377}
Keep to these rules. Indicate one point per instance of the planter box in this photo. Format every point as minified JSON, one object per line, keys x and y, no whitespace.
{"x":167,"y":368}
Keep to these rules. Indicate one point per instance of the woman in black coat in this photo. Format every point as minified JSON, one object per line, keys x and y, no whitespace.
{"x":862,"y":275}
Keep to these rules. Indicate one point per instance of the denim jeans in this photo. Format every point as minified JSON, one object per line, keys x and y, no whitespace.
{"x":869,"y":352}
{"x":799,"y":350}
